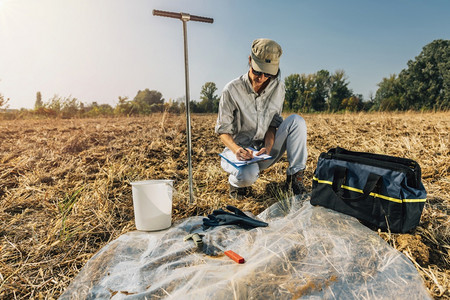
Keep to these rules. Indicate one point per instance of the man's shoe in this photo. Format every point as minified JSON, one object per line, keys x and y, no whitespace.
{"x":295,"y":183}
{"x":240,"y":193}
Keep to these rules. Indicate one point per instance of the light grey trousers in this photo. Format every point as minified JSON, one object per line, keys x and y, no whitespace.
{"x":290,"y":137}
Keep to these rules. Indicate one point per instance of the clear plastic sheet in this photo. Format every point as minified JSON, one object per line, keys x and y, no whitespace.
{"x":306,"y":252}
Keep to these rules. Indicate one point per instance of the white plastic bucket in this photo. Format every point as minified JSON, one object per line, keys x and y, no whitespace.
{"x":152,"y":201}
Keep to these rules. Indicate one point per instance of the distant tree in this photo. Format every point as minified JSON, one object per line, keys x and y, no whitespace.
{"x":172,"y":106}
{"x":321,"y":90}
{"x":71,"y":107}
{"x":292,"y":83}
{"x":425,"y":84}
{"x":195,"y":107}
{"x":426,"y":81}
{"x":209,"y":100}
{"x":66,"y":107}
{"x":307,"y":92}
{"x":54,"y":103}
{"x":95,"y":110}
{"x":338,"y":90}
{"x":351,"y":103}
{"x":123,"y":108}
{"x":38,"y":102}
{"x":299,"y":92}
{"x":147,"y":101}
{"x":390,"y":95}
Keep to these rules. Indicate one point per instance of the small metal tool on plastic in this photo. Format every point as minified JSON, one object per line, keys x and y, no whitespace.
{"x":197,"y":238}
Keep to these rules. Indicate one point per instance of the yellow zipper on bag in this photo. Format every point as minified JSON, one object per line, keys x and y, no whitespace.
{"x":371,"y":194}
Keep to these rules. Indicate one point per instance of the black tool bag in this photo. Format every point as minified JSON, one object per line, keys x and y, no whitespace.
{"x":380,"y":190}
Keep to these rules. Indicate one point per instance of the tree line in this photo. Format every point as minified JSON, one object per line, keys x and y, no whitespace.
{"x":423,"y":85}
{"x":144,"y":103}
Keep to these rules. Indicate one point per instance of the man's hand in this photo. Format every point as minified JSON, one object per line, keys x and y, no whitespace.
{"x":262,"y":151}
{"x":240,"y":152}
{"x":244,"y":154}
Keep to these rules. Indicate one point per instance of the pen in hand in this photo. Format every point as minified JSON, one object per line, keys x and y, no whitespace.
{"x":248,"y":154}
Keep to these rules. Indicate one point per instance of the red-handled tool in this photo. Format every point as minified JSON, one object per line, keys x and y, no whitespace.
{"x":230,"y":253}
{"x":234,"y":256}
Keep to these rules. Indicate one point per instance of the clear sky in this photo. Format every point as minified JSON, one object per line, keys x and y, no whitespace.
{"x":98,"y":50}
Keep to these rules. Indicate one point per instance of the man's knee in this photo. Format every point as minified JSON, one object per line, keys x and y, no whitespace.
{"x":247,"y":175}
{"x":297,"y":120}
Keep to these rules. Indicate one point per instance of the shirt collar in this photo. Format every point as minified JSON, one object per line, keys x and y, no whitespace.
{"x":248,"y":84}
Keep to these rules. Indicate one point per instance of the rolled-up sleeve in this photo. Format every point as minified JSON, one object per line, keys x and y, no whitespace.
{"x":276,"y":121}
{"x":225,"y":116}
{"x":277,"y":101}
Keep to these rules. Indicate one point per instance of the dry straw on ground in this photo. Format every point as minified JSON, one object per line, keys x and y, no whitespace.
{"x":65,"y":193}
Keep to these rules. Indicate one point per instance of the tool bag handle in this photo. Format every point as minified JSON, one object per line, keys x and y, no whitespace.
{"x":410,"y":167}
{"x":340,"y":174}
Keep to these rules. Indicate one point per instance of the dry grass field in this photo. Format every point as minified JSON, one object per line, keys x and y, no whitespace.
{"x":65,"y":192}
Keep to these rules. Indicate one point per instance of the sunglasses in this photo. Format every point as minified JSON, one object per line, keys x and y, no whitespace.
{"x":257,"y":73}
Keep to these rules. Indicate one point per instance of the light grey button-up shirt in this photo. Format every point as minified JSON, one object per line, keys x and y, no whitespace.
{"x":245,"y":115}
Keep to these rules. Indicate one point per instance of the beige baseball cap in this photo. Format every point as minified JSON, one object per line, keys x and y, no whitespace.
{"x":266,"y":56}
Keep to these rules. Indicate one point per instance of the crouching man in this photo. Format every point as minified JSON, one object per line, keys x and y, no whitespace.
{"x":250,"y":116}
